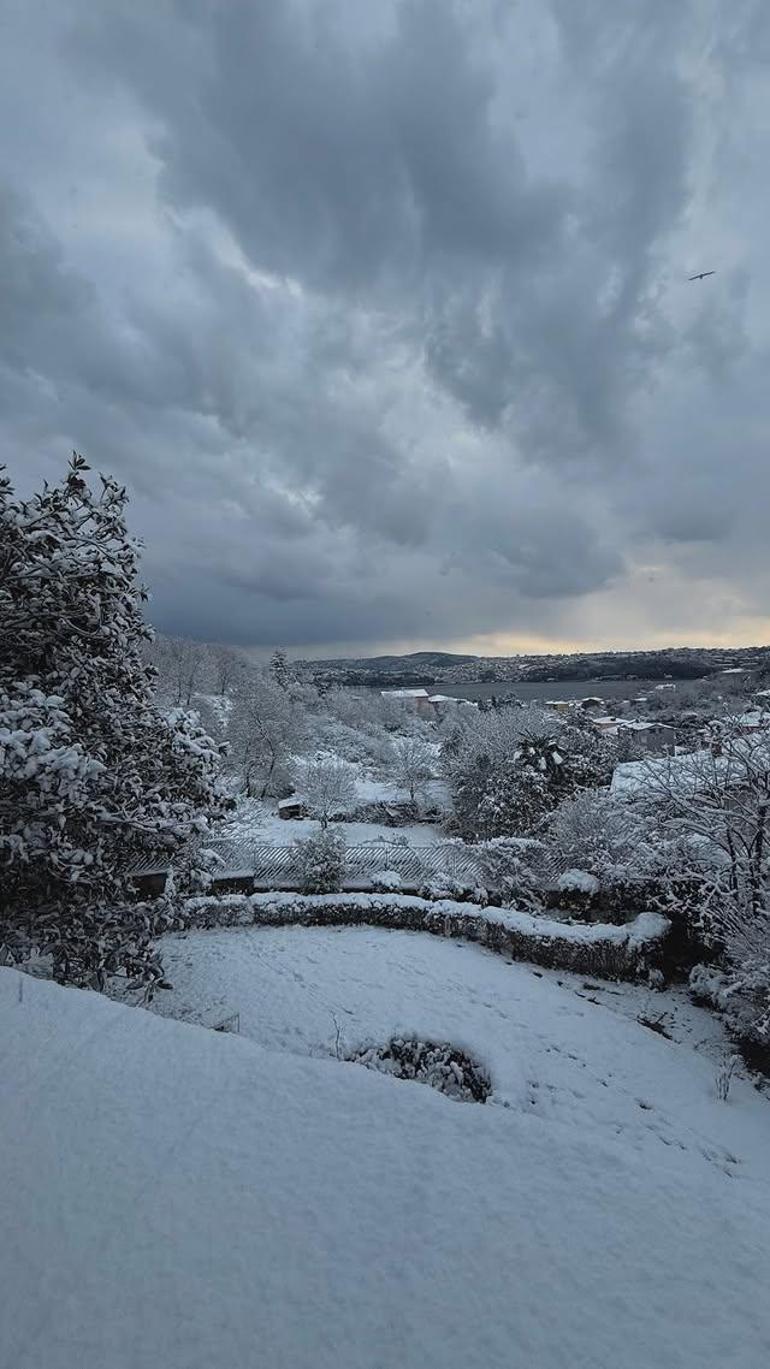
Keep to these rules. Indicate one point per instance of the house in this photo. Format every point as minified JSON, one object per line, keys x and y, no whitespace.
{"x":591,"y":703}
{"x":447,"y":703}
{"x":293,"y":807}
{"x":605,"y":724}
{"x":559,"y":705}
{"x":416,"y":699}
{"x":654,"y":737}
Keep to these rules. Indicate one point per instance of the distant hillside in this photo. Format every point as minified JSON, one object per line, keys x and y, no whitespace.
{"x":420,"y":664}
{"x":437,"y":667}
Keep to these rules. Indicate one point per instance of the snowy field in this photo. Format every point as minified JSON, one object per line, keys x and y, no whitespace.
{"x":176,"y":1198}
{"x":554,"y":1047}
{"x":259,"y":822}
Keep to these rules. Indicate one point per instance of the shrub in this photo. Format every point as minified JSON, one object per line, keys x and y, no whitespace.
{"x":437,"y":1063}
{"x":321,"y":860}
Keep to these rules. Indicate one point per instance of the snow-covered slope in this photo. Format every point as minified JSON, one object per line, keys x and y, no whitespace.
{"x":173,"y":1198}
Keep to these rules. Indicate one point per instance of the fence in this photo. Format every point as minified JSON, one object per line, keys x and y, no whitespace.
{"x":264,"y":866}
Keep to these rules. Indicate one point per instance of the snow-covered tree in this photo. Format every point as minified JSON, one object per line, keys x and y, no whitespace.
{"x":183,"y":668}
{"x":280,"y":672}
{"x":713,"y":808}
{"x":265,"y":727}
{"x":597,"y":832}
{"x":514,"y":867}
{"x":328,"y":787}
{"x":321,"y":860}
{"x":508,"y":769}
{"x":227,"y":668}
{"x":94,"y":777}
{"x":412,"y":764}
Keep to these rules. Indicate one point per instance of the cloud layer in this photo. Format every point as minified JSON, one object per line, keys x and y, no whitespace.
{"x":381,"y":310}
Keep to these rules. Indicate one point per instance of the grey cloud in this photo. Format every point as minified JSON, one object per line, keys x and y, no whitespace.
{"x":380,"y":310}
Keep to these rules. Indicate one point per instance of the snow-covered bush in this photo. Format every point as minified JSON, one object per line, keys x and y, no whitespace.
{"x":437,"y":1063}
{"x":512,"y":868}
{"x":578,"y":882}
{"x":94,"y":777}
{"x":387,"y":881}
{"x":321,"y":862}
{"x":606,"y":838}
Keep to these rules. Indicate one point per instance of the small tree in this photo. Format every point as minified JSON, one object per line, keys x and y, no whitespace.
{"x":183,"y":667}
{"x":228,"y":668}
{"x":412,"y":764}
{"x":321,"y":860}
{"x":94,"y":777}
{"x":328,"y":788}
{"x":279,"y":670}
{"x":264,"y":728}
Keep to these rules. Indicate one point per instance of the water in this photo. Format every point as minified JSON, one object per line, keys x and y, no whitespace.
{"x":533,"y":690}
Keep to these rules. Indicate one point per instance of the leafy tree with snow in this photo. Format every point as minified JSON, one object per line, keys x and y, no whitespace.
{"x":94,"y":777}
{"x":599,"y":833}
{"x":508,"y":770}
{"x":328,"y":788}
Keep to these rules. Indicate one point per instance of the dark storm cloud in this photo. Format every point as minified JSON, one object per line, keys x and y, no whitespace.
{"x":380,"y":310}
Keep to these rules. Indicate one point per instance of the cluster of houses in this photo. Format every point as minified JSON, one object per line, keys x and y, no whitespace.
{"x":655,"y":738}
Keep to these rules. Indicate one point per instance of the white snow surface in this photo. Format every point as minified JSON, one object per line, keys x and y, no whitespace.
{"x":176,"y":1198}
{"x":260,"y":822}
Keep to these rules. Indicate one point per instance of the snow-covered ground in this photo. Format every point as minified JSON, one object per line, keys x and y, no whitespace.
{"x":175,"y":1198}
{"x":179,"y":1198}
{"x":555,"y":1048}
{"x":259,"y":822}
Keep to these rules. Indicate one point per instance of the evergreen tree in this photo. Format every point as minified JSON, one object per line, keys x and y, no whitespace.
{"x":279,"y":669}
{"x":94,"y":777}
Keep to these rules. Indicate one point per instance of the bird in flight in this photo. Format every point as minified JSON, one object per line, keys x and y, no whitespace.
{"x":702,"y":275}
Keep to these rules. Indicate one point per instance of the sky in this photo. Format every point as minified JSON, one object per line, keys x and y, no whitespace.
{"x":381,"y":311}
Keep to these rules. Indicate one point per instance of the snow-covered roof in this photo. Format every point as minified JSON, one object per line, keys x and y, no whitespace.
{"x":633,"y":778}
{"x":754,"y":717}
{"x":639,"y":725}
{"x":404,"y":693}
{"x":450,"y":699}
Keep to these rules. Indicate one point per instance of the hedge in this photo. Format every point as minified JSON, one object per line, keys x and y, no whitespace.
{"x":626,"y":952}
